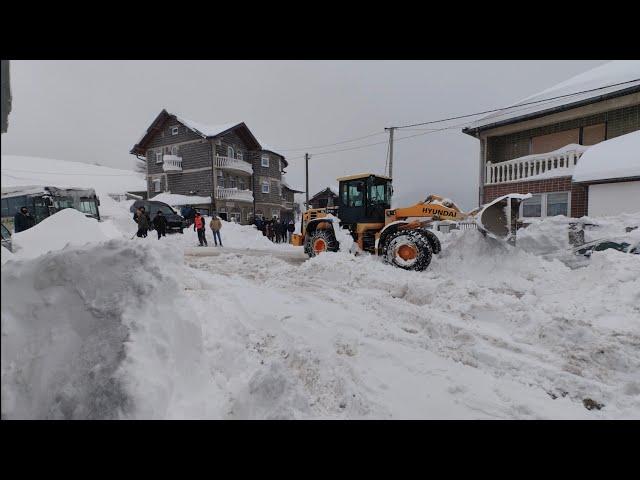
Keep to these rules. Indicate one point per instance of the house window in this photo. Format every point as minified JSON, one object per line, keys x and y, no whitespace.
{"x":532,"y":207}
{"x":231,"y":152}
{"x":241,"y":184}
{"x":545,"y":205}
{"x":174,"y":150}
{"x":265,"y":187}
{"x":156,"y":185}
{"x":557,"y":204}
{"x":264,"y":160}
{"x":174,"y":130}
{"x":232,"y":182}
{"x":240,"y":156}
{"x":220,"y":179}
{"x":275,"y":213}
{"x":159,"y":156}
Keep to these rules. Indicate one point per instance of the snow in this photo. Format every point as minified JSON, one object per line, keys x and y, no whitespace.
{"x":610,"y":73}
{"x":28,"y":171}
{"x":175,"y":199}
{"x":6,"y":255}
{"x":206,"y":130}
{"x":148,"y":328}
{"x":66,"y":227}
{"x":615,"y":158}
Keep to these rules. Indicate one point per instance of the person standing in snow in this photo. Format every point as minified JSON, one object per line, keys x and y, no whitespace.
{"x":23,"y":220}
{"x":198,"y":226}
{"x":216,"y":225}
{"x":291,"y":227}
{"x":144,"y":222}
{"x":160,"y":223}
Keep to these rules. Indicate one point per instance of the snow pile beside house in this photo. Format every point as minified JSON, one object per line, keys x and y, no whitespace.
{"x":99,"y":332}
{"x":67,"y":227}
{"x":20,"y":170}
{"x":611,"y":159}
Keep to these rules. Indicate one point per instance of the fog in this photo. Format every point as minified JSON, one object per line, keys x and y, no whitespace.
{"x":95,"y":111}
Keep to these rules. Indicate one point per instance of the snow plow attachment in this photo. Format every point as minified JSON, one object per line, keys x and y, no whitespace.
{"x":498,"y":219}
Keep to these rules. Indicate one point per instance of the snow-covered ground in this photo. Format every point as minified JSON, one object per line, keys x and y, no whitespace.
{"x":115,"y":327}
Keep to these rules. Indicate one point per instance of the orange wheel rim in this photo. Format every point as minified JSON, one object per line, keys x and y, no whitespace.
{"x":407,"y":252}
{"x":319,"y":245}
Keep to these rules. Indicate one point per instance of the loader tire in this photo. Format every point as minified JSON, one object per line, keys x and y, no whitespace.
{"x":321,"y":241}
{"x":409,"y":250}
{"x":434,"y":242}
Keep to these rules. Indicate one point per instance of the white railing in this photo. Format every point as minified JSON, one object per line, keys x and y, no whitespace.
{"x":171,"y":163}
{"x":233,"y":164}
{"x":532,"y":166}
{"x":234,"y":194}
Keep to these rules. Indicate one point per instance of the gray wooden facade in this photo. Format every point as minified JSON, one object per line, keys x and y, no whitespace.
{"x":199,"y":176}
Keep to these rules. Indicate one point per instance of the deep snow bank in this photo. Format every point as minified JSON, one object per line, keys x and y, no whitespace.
{"x":67,"y":227}
{"x":101,"y":332}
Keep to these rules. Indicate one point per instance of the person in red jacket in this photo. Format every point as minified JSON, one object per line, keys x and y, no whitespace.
{"x":198,"y":226}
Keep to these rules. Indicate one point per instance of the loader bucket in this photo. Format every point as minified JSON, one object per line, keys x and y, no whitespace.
{"x":498,"y":218}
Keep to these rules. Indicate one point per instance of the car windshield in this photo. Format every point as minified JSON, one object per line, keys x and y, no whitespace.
{"x":166,"y":210}
{"x":5,"y":232}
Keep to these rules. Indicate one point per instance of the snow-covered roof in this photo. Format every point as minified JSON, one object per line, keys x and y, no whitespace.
{"x":21,"y":171}
{"x":206,"y":130}
{"x":175,"y":199}
{"x":284,"y":183}
{"x":622,"y":74}
{"x":611,"y":159}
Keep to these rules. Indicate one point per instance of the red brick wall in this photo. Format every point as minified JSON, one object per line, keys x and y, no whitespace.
{"x":579,"y":198}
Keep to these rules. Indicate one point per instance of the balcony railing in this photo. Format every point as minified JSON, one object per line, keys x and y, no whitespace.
{"x":233,"y":164}
{"x":171,"y":163}
{"x":234,"y":194}
{"x":534,"y":167}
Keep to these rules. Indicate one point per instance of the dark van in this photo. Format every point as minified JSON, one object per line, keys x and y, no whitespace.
{"x":174,"y":221}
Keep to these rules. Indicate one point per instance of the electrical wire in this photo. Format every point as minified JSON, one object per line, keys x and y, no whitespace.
{"x":517,"y":105}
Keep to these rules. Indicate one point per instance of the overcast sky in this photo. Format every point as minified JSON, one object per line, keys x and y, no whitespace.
{"x":95,"y":111}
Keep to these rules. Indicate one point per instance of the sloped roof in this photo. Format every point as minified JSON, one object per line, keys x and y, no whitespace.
{"x":615,"y":78}
{"x":205,"y":131}
{"x":611,"y":159}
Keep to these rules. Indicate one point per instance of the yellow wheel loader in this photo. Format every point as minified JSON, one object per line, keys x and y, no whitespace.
{"x":400,"y":235}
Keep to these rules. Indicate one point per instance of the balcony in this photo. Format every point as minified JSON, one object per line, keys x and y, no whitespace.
{"x":234,"y":194}
{"x":559,"y":163}
{"x":171,"y":163}
{"x":233,"y":164}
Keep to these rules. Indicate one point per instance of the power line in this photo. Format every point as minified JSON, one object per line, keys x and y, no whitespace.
{"x":329,"y":144}
{"x":518,"y":105}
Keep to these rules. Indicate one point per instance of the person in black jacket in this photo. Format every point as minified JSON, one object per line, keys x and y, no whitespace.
{"x":291,"y":227}
{"x":23,"y":220}
{"x":160,"y":222}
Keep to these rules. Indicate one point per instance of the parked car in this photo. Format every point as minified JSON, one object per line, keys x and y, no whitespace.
{"x":174,"y":221}
{"x":6,"y":237}
{"x":622,"y":244}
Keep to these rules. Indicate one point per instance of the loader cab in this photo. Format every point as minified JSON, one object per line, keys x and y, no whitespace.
{"x":364,"y":198}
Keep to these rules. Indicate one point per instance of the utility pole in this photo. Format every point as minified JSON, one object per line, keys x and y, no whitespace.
{"x":391,"y":129}
{"x":306,"y":166}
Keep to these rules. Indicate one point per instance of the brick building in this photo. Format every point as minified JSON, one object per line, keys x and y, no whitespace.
{"x":534,"y":146}
{"x":224,"y":163}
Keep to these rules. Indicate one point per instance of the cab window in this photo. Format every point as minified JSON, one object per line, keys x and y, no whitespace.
{"x":356,"y":194}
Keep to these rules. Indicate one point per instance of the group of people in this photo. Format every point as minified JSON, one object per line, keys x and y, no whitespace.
{"x":278,"y":231}
{"x":142,"y":218}
{"x":215,"y":224}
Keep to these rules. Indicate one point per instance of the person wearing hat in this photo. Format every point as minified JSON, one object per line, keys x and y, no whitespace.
{"x":23,"y":220}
